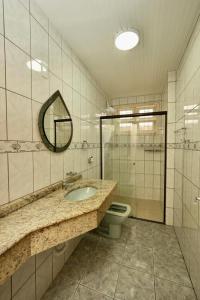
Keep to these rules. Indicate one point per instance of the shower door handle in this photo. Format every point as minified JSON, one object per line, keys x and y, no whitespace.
{"x":197,"y":199}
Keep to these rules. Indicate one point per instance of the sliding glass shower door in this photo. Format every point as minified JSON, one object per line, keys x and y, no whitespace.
{"x":133,"y":152}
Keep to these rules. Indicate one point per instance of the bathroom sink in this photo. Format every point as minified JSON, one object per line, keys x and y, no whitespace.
{"x":81,"y":193}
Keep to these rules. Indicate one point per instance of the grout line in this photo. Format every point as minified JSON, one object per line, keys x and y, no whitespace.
{"x":24,"y":283}
{"x":35,"y":280}
{"x":183,"y":257}
{"x":6,"y":99}
{"x":154,"y":270}
{"x":97,"y":291}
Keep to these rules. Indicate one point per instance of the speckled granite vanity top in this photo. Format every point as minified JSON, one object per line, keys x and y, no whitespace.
{"x":49,"y":221}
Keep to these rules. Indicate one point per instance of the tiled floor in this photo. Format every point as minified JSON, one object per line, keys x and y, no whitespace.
{"x":144,"y":264}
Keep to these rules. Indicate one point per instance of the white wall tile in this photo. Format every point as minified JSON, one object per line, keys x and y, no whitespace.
{"x":19,"y":117}
{"x":170,"y":133}
{"x":24,"y":168}
{"x":54,"y":84}
{"x":76,"y":104}
{"x":41,"y":163}
{"x":39,"y":42}
{"x":77,"y":160}
{"x":15,"y":13}
{"x":41,"y":257}
{"x":68,"y":161}
{"x":123,"y":100}
{"x":2,"y":62}
{"x":25,"y":3}
{"x":186,"y":214}
{"x":18,"y":75}
{"x":170,"y":158}
{"x":43,"y":277}
{"x":58,"y":262}
{"x":56,"y":167}
{"x":55,"y":63}
{"x":3,"y":179}
{"x":171,"y":112}
{"x":169,"y":216}
{"x":5,"y":290}
{"x":76,"y":78}
{"x":67,"y":69}
{"x":66,"y":48}
{"x":27,"y":291}
{"x":36,"y":106}
{"x":39,"y":15}
{"x":115,"y":101}
{"x":55,"y":34}
{"x":196,"y":168}
{"x":171,"y":76}
{"x":83,"y":84}
{"x":169,"y":197}
{"x":1,"y":18}
{"x":40,"y":84}
{"x":20,"y":174}
{"x":170,"y":178}
{"x":67,"y":96}
{"x":22,"y":274}
{"x":3,"y":127}
{"x":132,"y":99}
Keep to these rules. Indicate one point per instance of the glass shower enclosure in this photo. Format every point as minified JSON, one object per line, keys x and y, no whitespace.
{"x":133,"y":152}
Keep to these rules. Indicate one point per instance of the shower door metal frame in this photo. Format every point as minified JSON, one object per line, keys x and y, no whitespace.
{"x":156,"y":113}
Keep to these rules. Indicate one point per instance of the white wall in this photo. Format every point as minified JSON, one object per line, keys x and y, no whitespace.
{"x":169,"y":99}
{"x":187,"y":157}
{"x":25,"y":164}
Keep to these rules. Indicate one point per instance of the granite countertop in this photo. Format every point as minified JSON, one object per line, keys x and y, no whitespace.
{"x":50,"y":210}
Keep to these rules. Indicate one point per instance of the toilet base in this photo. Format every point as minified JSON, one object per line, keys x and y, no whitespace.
{"x":112,"y":231}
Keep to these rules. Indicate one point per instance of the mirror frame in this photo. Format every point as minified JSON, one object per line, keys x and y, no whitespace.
{"x":43,"y":110}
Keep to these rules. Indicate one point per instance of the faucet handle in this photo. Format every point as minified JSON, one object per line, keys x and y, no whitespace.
{"x":69,"y":173}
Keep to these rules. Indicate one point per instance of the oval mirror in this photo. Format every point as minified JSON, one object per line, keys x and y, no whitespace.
{"x":55,"y":124}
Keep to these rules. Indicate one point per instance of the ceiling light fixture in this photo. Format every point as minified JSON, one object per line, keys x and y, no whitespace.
{"x":127,"y":40}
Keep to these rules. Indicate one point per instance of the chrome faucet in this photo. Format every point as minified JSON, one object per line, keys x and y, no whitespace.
{"x":90,"y":159}
{"x":71,"y":173}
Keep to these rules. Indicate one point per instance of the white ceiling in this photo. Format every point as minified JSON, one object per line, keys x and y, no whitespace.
{"x":89,"y":26}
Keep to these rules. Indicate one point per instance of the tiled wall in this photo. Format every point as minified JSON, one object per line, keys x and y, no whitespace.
{"x":35,"y":276}
{"x":25,"y":164}
{"x":187,"y":157}
{"x":138,"y":99}
{"x":169,"y":99}
{"x":137,"y":170}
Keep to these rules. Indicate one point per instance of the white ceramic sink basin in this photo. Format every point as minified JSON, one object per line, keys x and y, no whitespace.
{"x":81,"y":193}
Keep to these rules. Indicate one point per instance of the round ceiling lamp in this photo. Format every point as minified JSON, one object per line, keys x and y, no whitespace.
{"x":127,"y":40}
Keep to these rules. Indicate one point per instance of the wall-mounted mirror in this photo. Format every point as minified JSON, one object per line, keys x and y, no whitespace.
{"x":55,"y":124}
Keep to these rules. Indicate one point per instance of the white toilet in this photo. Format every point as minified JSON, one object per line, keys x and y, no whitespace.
{"x":114,"y":217}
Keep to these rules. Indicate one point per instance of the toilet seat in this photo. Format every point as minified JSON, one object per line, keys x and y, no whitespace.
{"x":119,"y":209}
